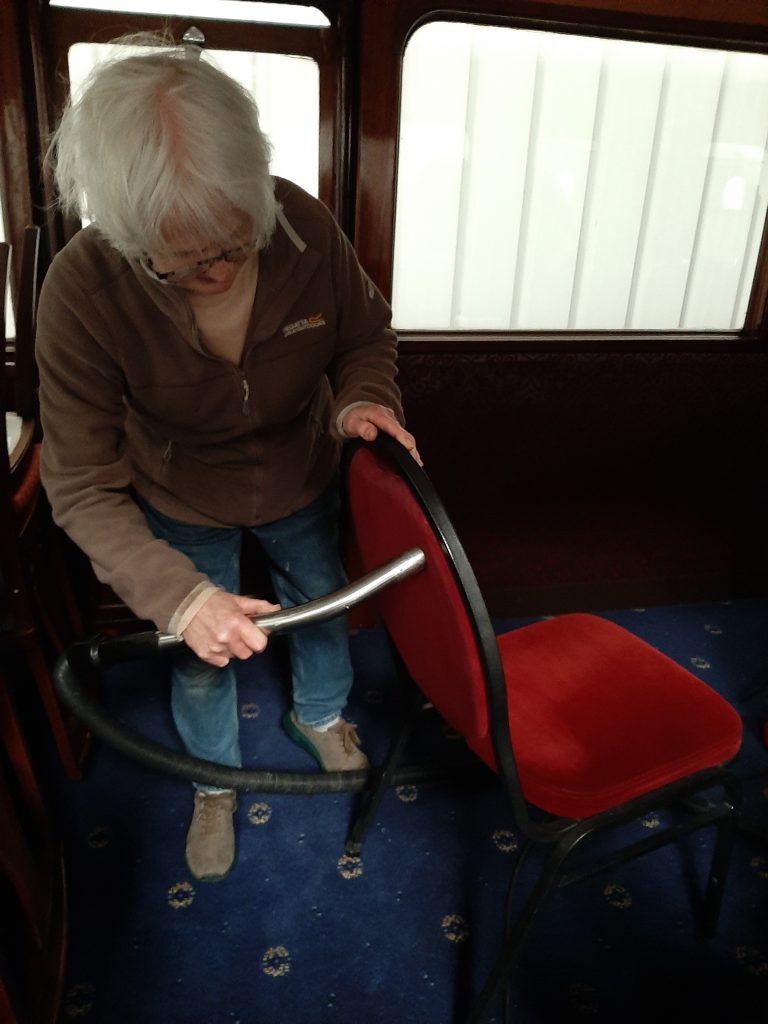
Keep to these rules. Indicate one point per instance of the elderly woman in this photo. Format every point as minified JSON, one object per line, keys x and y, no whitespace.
{"x":204,"y":346}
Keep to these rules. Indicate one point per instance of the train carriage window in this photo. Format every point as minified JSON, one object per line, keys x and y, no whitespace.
{"x":563,"y":182}
{"x":286,"y":89}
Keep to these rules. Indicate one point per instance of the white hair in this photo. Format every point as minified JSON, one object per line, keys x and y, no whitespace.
{"x":158,"y":142}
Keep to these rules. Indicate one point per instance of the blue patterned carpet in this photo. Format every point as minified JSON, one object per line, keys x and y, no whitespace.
{"x":298,"y":933}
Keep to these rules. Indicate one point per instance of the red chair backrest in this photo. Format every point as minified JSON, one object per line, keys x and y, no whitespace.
{"x":425,"y":614}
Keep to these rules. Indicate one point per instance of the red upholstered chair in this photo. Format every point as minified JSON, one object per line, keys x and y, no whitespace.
{"x":588,"y":726}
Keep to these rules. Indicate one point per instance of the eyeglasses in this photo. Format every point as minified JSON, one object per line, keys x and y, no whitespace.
{"x":238,"y":255}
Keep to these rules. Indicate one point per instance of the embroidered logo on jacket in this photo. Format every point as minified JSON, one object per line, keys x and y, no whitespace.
{"x":305,"y":324}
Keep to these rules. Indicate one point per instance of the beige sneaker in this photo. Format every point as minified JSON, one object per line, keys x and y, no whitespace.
{"x":211,"y":837}
{"x":335,"y":750}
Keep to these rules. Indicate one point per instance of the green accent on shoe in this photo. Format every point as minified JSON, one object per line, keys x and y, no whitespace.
{"x":340,"y":741}
{"x":292,"y":729}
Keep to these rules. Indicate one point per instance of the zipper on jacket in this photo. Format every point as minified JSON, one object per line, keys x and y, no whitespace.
{"x":167,"y":452}
{"x":246,"y":396}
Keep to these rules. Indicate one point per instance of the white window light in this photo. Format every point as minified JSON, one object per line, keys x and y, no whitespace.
{"x":561,"y":182}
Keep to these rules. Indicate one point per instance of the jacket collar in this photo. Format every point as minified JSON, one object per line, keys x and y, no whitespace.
{"x":285,"y":268}
{"x":286,"y":265}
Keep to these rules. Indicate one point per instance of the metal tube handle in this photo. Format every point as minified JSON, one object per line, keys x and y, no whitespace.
{"x":104,"y":651}
{"x":331,"y":605}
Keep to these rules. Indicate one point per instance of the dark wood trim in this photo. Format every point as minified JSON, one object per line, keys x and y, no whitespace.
{"x":345,"y":154}
{"x":757,"y":310}
{"x":380,"y":53}
{"x":43,"y":70}
{"x":65,"y":26}
{"x":330,"y":114}
{"x":690,"y":21}
{"x":16,"y":188}
{"x":521,"y":342}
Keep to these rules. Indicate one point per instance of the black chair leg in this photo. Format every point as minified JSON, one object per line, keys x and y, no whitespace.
{"x":383,"y":777}
{"x":725,"y":831}
{"x":517,"y":933}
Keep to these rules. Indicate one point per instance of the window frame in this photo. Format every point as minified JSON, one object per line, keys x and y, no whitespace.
{"x":16,"y":137}
{"x":742,"y":25}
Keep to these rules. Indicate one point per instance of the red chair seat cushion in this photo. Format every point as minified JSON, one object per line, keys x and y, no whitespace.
{"x":598,"y":717}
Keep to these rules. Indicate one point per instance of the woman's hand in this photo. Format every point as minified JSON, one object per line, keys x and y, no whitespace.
{"x":366,"y":421}
{"x":222,"y":628}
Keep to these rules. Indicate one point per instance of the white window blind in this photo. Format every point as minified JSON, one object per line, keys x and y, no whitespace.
{"x":555,"y":182}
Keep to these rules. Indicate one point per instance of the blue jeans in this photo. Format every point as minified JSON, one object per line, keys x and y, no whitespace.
{"x":302,"y":553}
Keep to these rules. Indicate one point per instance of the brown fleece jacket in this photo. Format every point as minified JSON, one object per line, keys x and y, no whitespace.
{"x":132,"y":403}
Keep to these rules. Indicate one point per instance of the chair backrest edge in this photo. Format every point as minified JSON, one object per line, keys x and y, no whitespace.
{"x":422,"y":488}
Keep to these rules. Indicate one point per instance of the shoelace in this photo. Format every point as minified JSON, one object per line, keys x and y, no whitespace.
{"x":349,"y":738}
{"x":210,"y":812}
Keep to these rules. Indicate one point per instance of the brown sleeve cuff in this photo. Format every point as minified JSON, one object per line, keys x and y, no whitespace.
{"x":190,"y":606}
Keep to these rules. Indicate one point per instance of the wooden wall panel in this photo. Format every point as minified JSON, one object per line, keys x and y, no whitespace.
{"x":16,"y":128}
{"x":587,"y":480}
